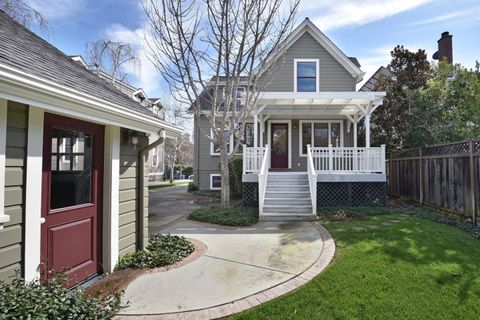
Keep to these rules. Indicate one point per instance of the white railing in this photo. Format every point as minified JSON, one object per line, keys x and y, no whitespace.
{"x":262,"y":178}
{"x":349,"y":160}
{"x":312,"y":179}
{"x":252,"y":159}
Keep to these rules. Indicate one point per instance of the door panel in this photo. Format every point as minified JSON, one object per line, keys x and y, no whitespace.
{"x":279,"y":143}
{"x":71,"y":198}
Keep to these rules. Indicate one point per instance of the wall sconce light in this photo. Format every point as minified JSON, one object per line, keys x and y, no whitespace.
{"x":132,"y":138}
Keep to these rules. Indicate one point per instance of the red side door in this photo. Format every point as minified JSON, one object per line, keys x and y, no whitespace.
{"x":71,"y":198}
{"x":279,"y":145}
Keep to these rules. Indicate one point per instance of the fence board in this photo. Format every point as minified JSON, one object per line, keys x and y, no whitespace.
{"x":446,"y":173}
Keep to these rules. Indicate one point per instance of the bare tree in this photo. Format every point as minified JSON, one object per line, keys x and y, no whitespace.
{"x":206,"y":50}
{"x":24,"y":14}
{"x":109,"y":56}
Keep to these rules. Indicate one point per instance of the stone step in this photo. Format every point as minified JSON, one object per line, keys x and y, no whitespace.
{"x":287,"y":209}
{"x":287,"y":217}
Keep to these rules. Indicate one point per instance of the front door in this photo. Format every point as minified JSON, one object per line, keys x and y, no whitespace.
{"x":279,"y":143}
{"x":71,"y":198}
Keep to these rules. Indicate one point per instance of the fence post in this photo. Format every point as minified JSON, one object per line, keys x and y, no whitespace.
{"x":472,"y":183}
{"x":330,"y":158}
{"x":420,"y":168}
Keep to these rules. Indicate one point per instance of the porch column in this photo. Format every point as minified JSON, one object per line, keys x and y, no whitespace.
{"x":262,"y":130}
{"x":3,"y":138}
{"x":355,"y":142}
{"x":367,"y":129}
{"x":255,"y":130}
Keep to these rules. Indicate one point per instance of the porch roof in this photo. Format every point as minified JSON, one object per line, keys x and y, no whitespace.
{"x":321,"y":103}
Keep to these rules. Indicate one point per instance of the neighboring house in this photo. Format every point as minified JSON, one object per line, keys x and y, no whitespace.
{"x":72,"y":191}
{"x":370,"y":84}
{"x":156,"y":156}
{"x":312,"y":101}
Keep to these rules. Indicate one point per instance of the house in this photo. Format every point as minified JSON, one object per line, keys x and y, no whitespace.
{"x":156,"y":156}
{"x":371,"y":83}
{"x":72,"y":163}
{"x":300,"y":147}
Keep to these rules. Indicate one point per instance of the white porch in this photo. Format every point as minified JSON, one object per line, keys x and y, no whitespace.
{"x":324,"y":163}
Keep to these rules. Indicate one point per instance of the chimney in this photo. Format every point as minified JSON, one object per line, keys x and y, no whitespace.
{"x":445,"y":51}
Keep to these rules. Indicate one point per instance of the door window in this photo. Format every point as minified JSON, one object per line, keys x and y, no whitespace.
{"x":71,"y":168}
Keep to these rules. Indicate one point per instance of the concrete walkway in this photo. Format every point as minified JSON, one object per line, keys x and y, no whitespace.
{"x":241,"y":268}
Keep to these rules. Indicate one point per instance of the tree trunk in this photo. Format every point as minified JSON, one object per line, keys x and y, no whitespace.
{"x":225,"y":176}
{"x":172,"y":171}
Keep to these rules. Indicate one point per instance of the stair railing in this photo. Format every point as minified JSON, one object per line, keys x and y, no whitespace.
{"x":312,"y":179}
{"x":262,"y":178}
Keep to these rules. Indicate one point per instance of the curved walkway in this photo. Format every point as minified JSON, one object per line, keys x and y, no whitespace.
{"x":241,"y":268}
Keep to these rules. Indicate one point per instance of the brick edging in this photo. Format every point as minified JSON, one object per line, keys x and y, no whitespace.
{"x":230,"y":308}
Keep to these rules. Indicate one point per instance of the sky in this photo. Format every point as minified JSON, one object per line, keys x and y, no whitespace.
{"x":366,"y":29}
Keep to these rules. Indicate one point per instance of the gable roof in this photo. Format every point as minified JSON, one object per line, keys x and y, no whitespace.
{"x":23,"y":50}
{"x":351,"y":64}
{"x":372,"y":82}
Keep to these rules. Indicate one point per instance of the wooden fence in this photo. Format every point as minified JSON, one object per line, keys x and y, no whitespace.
{"x":445,"y":176}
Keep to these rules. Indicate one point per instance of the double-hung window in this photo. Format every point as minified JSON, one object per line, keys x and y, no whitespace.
{"x":320,"y":134}
{"x":306,"y":75}
{"x":246,"y":138}
{"x":215,"y":147}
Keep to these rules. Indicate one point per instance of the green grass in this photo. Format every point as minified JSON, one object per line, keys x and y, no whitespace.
{"x":235,"y":216}
{"x":388,"y":266}
{"x":167,"y":184}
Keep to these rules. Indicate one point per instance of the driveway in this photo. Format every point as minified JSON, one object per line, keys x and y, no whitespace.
{"x":171,"y":204}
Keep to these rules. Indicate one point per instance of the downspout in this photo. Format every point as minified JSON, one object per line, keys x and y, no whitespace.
{"x":141,"y":192}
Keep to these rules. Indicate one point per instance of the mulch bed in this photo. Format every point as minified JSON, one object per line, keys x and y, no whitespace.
{"x":119,"y":280}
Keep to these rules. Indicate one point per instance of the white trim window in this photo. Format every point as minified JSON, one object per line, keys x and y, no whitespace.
{"x":215,"y":181}
{"x":306,"y":75}
{"x":320,"y":133}
{"x":245,"y":139}
{"x":215,"y":148}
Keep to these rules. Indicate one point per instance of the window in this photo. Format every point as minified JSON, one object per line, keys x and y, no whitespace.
{"x":215,"y":181}
{"x":240,"y":96}
{"x":320,"y":134}
{"x":215,"y":148}
{"x":306,"y":75}
{"x":246,"y":139}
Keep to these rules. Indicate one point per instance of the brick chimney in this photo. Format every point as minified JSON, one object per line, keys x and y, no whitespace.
{"x":445,"y":50}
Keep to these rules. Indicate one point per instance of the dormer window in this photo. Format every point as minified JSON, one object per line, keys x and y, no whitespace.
{"x":306,"y":75}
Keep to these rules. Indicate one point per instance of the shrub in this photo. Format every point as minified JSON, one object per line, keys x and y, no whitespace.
{"x":162,"y":250}
{"x":235,"y":216}
{"x":21,"y":300}
{"x":192,"y":187}
{"x":236,"y":171}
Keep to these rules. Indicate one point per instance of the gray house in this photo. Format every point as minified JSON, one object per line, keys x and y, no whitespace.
{"x":300,"y":145}
{"x":72,"y":163}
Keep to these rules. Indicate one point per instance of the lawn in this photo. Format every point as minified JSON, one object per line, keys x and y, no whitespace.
{"x":168,"y":184}
{"x":388,"y":266}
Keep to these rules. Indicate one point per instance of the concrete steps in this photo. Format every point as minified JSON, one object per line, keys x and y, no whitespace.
{"x":287,"y":198}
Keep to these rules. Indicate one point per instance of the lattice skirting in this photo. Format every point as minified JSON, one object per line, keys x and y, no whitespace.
{"x":250,"y":194}
{"x":352,"y":194}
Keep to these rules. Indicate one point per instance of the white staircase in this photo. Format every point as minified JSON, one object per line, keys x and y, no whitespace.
{"x":287,"y":198}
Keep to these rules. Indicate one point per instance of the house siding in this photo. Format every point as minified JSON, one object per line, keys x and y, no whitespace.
{"x":205,"y":164}
{"x":11,"y":236}
{"x":128,"y":207}
{"x":333,"y":76}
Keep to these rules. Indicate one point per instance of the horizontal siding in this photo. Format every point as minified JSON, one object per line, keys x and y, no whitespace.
{"x":128,"y":195}
{"x":207,"y":164}
{"x":333,"y":76}
{"x":11,"y":236}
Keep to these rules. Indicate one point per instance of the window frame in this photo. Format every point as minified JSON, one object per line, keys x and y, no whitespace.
{"x":240,"y":149}
{"x":212,"y":145}
{"x":211,"y":181}
{"x":312,"y":122}
{"x":317,"y":73}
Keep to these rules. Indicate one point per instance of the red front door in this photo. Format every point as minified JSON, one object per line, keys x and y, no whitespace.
{"x":71,"y":198}
{"x":279,"y":145}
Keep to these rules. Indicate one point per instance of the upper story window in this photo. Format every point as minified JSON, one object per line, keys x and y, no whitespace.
{"x":306,"y":75}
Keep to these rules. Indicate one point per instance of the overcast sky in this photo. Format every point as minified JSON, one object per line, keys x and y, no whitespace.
{"x":366,"y":29}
